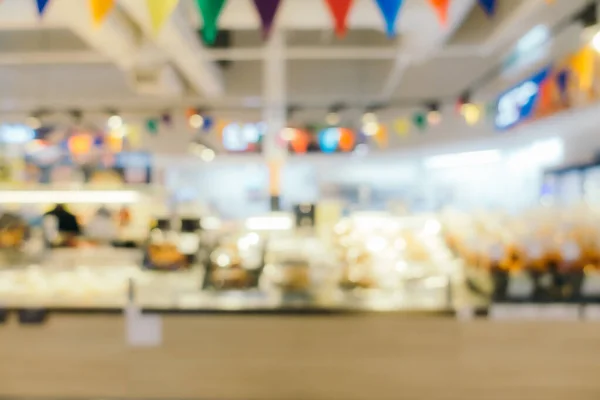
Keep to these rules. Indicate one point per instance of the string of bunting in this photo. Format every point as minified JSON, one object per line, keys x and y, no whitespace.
{"x":159,"y":12}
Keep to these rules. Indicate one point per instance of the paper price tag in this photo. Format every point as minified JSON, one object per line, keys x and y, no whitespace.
{"x":142,"y":330}
{"x":591,"y":313}
{"x":591,"y":285}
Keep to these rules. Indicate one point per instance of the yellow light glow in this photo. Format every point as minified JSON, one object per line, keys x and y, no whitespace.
{"x":471,"y":113}
{"x":196,"y":121}
{"x":371,"y":128}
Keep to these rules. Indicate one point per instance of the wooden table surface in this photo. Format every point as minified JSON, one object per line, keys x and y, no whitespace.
{"x":346,"y":357}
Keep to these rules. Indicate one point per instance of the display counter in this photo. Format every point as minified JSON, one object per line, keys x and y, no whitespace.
{"x":379,"y":356}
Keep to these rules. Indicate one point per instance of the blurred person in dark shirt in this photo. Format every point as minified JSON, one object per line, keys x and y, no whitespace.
{"x":67,"y":222}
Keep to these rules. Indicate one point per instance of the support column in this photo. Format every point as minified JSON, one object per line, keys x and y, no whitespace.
{"x":275,"y":111}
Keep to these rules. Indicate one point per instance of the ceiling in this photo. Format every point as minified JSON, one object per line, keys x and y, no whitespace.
{"x":62,"y":62}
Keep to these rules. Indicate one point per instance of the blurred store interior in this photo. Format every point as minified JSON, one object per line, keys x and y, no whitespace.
{"x":319,"y":191}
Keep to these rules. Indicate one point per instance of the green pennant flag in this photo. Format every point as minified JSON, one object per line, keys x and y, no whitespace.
{"x":210,"y":10}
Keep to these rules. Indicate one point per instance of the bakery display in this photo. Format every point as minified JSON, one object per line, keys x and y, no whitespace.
{"x":544,"y":255}
{"x":379,"y":251}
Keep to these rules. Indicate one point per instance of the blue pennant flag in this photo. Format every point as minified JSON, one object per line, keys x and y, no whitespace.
{"x":488,"y":6}
{"x":41,"y":6}
{"x":390,"y":10}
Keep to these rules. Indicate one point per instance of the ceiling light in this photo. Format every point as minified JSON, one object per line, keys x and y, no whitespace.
{"x":196,"y":121}
{"x":463,"y":159}
{"x":115,"y":122}
{"x":596,"y":42}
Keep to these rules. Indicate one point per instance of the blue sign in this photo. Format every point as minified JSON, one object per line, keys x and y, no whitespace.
{"x":518,"y":103}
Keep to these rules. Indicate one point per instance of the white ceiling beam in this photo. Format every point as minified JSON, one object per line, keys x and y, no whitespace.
{"x":178,"y":39}
{"x":333,"y":53}
{"x":422,"y":42}
{"x":50,"y":58}
{"x":116,"y":39}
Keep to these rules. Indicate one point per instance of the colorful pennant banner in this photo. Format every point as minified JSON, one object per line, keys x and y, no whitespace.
{"x":160,"y":11}
{"x":210,"y":11}
{"x":339,"y":11}
{"x":390,"y":10}
{"x":267,"y":10}
{"x":100,"y":10}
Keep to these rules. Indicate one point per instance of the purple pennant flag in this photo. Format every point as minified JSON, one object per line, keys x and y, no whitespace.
{"x":488,"y":6}
{"x":562,"y":80}
{"x":41,"y":5}
{"x":267,"y":9}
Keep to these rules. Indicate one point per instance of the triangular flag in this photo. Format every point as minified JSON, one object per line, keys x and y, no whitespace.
{"x":389,"y":10}
{"x":340,"y":10}
{"x":488,"y":6}
{"x":41,"y":6}
{"x":160,"y":10}
{"x":441,"y":9}
{"x":100,"y":10}
{"x":210,"y":10}
{"x":267,"y":9}
{"x":562,"y":81}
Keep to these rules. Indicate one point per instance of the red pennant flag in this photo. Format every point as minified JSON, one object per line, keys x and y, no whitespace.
{"x":339,"y":10}
{"x":441,"y":9}
{"x":267,"y":9}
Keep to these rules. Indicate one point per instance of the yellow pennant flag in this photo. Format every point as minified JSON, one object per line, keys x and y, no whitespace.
{"x":100,"y":10}
{"x":160,"y":10}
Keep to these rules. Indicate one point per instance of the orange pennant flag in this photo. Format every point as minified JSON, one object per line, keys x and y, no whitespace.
{"x":100,"y":10}
{"x":441,"y":8}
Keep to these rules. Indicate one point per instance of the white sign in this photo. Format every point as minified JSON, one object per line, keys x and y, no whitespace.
{"x":511,"y":103}
{"x":532,"y":312}
{"x":142,"y":330}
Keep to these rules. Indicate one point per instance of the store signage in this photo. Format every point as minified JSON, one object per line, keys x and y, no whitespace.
{"x":518,"y":103}
{"x":16,"y":133}
{"x":242,"y":137}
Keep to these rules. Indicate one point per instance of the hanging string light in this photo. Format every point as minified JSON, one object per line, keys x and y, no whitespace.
{"x":471,"y":113}
{"x":434,"y":117}
{"x":196,"y":120}
{"x":115,"y":121}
